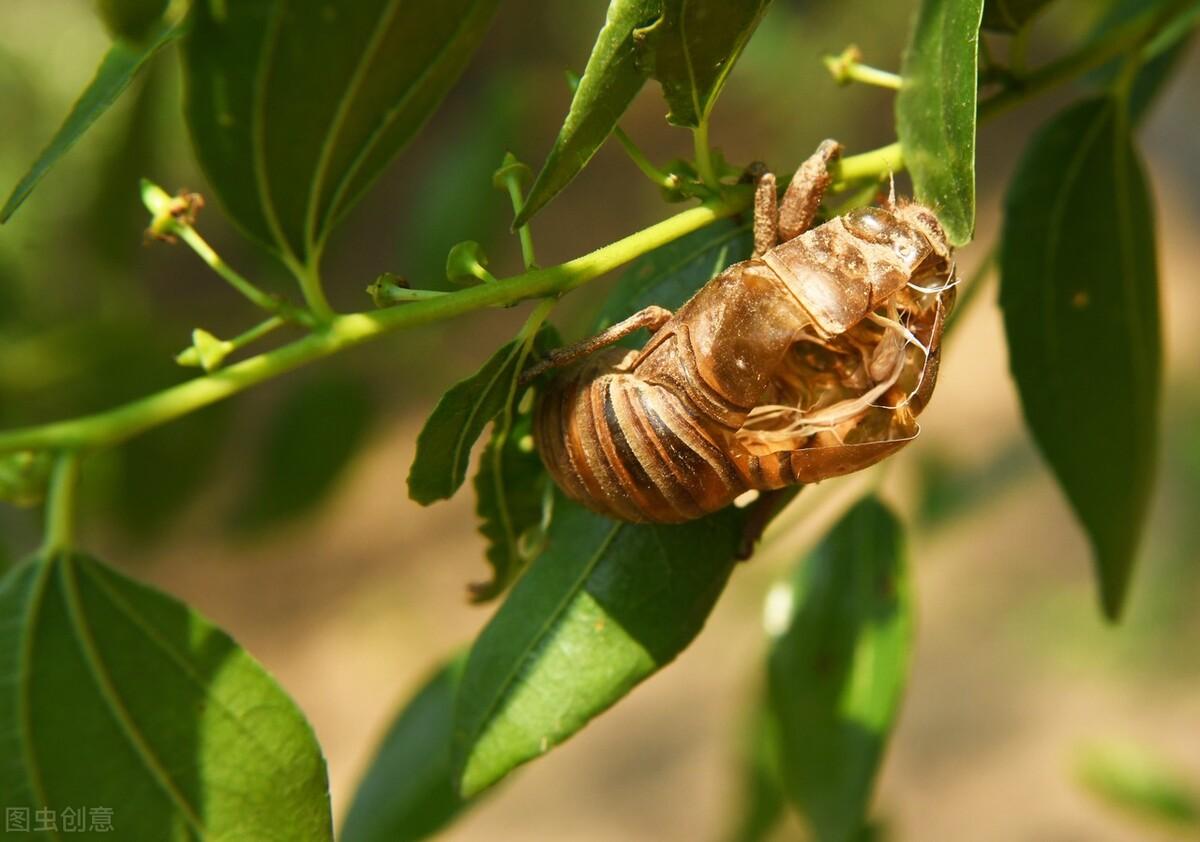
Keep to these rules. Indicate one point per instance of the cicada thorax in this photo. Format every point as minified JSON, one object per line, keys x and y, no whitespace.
{"x":808,"y":363}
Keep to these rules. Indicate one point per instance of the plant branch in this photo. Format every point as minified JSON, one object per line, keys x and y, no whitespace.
{"x":346,"y":331}
{"x":873,"y":164}
{"x":60,"y":504}
{"x":704,"y":162}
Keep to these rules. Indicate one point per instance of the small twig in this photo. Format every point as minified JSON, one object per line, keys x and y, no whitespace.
{"x":173,"y":217}
{"x":847,"y":67}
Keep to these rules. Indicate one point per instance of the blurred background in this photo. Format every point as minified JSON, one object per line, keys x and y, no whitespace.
{"x":283,"y":515}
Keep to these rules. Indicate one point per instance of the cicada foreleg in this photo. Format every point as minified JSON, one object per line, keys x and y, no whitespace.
{"x":652,"y":317}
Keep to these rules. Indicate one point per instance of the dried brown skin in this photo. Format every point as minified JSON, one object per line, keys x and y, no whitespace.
{"x":757,"y":382}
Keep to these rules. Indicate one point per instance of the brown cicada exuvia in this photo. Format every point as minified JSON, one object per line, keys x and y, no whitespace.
{"x":810,"y":360}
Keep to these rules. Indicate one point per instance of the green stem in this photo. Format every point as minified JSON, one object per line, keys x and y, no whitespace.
{"x":873,"y":164}
{"x":255,"y":295}
{"x":397,"y":294}
{"x":704,"y":162}
{"x":640,"y":160}
{"x":523,"y":233}
{"x":346,"y":331}
{"x":60,"y":505}
{"x":847,"y":68}
{"x":314,"y":292}
{"x":257,"y":332}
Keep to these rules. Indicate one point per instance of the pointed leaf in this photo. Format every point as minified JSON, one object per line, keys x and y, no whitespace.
{"x":295,"y":108}
{"x":604,"y":607}
{"x":116,"y":71}
{"x":838,"y":671}
{"x":692,"y":49}
{"x":309,"y":442}
{"x":935,"y":111}
{"x":444,"y":443}
{"x":609,"y":83}
{"x":408,"y":792}
{"x":1079,"y":290}
{"x":115,"y":696}
{"x":510,"y":491}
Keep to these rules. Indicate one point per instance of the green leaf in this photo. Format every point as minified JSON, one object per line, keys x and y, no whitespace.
{"x":1160,"y":57}
{"x":762,"y":801}
{"x":935,"y":111}
{"x":295,"y":108}
{"x":1079,"y":290}
{"x":692,"y":48}
{"x":671,"y":274}
{"x":116,"y":71}
{"x":609,"y":83}
{"x":1140,"y":784}
{"x":1010,"y":15}
{"x":837,"y":673}
{"x":510,"y":491}
{"x":113,"y":695}
{"x":581,"y":627}
{"x":408,"y":792}
{"x":604,"y":607}
{"x":444,"y":443}
{"x":309,"y":442}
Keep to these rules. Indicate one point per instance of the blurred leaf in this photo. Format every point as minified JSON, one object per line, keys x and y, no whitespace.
{"x":935,"y":111}
{"x":1153,"y":77}
{"x":91,"y":366}
{"x":762,"y":803}
{"x":1133,"y":780}
{"x":671,"y":274}
{"x":131,"y":20}
{"x":294,"y":109}
{"x":1161,"y":56}
{"x":309,"y":442}
{"x":455,"y":202}
{"x":604,"y":607}
{"x":445,"y":442}
{"x":163,"y":469}
{"x":408,"y":792}
{"x":116,"y":217}
{"x":116,"y":71}
{"x":609,"y":83}
{"x":1079,"y":290}
{"x":838,"y":671}
{"x":1010,"y":15}
{"x":692,"y":48}
{"x":186,"y":735}
{"x":510,"y":488}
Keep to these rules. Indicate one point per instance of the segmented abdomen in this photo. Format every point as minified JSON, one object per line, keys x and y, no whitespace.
{"x":631,"y":449}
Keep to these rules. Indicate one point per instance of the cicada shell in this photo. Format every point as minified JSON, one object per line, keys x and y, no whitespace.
{"x":811,"y":360}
